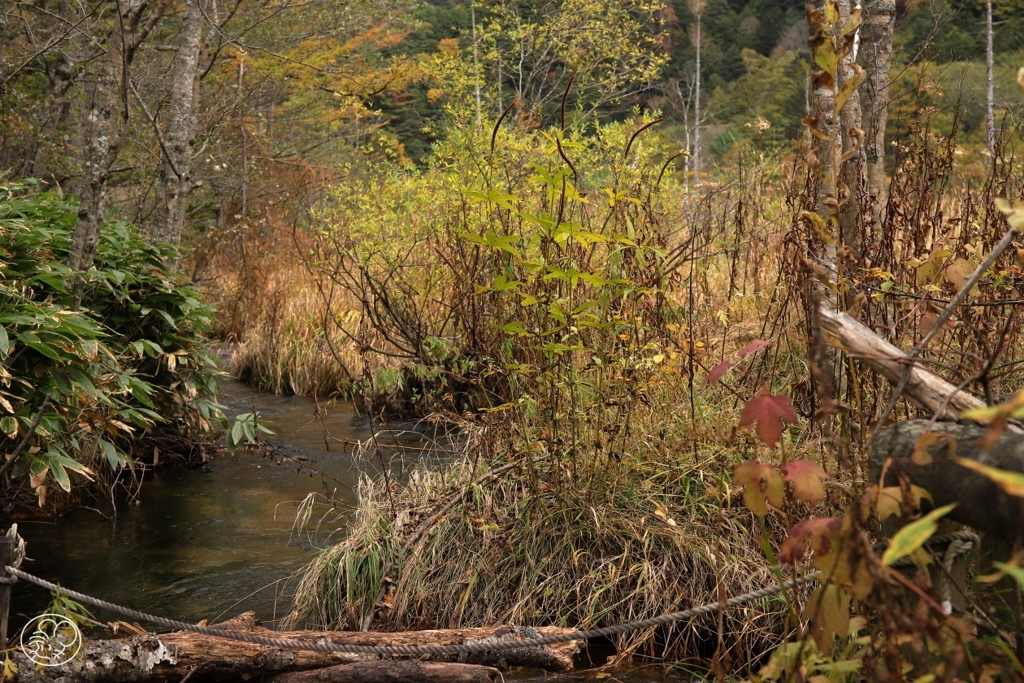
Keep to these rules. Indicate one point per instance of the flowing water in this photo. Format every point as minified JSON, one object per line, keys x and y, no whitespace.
{"x":211,"y":543}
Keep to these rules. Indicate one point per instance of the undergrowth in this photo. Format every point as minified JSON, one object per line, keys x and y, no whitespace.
{"x":93,"y":392}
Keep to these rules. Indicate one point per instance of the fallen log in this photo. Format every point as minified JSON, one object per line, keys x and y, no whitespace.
{"x":169,"y":657}
{"x":402,"y":671}
{"x":924,"y":388}
{"x":980,"y":502}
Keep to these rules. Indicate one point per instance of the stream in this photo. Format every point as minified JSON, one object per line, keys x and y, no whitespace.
{"x":214,"y":542}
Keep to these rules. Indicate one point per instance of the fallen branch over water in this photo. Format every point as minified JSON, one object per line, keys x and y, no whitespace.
{"x":171,"y":657}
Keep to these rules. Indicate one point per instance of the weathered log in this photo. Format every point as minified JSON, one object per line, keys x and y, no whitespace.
{"x":924,"y":388}
{"x":980,"y":502}
{"x":402,"y":671}
{"x":172,"y":656}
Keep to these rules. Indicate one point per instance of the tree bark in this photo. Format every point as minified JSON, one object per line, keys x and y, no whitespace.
{"x":395,"y":672}
{"x":852,"y":172}
{"x":875,"y":57}
{"x":980,"y":503}
{"x":990,"y":97}
{"x":823,"y":119}
{"x":175,"y":176}
{"x":104,"y":129}
{"x":171,"y":656}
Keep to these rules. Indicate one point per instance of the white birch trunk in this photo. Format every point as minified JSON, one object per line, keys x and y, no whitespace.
{"x":875,"y":57}
{"x":175,"y":180}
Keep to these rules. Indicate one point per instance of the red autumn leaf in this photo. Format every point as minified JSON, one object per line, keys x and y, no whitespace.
{"x":754,"y":347}
{"x":717,"y":372}
{"x":805,"y":476}
{"x":816,"y":532}
{"x":751,"y":475}
{"x":769,"y":412}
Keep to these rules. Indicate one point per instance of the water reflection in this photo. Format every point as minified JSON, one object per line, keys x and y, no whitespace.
{"x":211,"y":543}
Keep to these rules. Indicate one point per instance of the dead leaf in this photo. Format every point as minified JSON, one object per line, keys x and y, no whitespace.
{"x":922,"y":455}
{"x":816,"y":532}
{"x":828,"y":615}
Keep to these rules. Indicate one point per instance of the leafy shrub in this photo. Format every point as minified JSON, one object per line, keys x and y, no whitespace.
{"x":124,"y":369}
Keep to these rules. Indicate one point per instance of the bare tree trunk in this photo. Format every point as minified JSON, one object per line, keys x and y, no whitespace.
{"x":175,"y":180}
{"x":696,"y":108}
{"x":852,"y":172}
{"x":875,"y":57}
{"x":990,"y":104}
{"x":104,"y":128}
{"x":823,"y":120}
{"x":103,"y":135}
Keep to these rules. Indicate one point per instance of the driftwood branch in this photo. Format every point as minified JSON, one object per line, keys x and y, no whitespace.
{"x":926,"y":389}
{"x":170,"y":657}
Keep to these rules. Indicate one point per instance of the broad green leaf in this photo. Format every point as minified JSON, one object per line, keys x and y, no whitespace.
{"x":913,"y":536}
{"x":113,"y":459}
{"x":61,"y":476}
{"x":237,"y":433}
{"x":5,"y":342}
{"x":44,"y":349}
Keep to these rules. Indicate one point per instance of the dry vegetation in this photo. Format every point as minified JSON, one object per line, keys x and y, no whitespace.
{"x":446,"y":293}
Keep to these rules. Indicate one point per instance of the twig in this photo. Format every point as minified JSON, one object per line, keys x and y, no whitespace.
{"x":24,"y":442}
{"x":947,"y":312}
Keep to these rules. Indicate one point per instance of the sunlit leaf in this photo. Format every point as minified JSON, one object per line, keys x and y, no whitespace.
{"x":913,"y":536}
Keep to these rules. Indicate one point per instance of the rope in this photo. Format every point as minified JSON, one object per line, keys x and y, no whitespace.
{"x":958,"y":543}
{"x":485,"y":645}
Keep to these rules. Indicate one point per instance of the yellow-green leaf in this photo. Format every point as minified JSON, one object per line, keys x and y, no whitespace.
{"x":913,"y":536}
{"x":831,"y":11}
{"x":826,"y":57}
{"x":1011,"y":482}
{"x":849,"y":87}
{"x":1016,"y":572}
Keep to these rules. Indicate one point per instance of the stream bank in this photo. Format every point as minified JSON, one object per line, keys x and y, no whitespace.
{"x":214,"y":542}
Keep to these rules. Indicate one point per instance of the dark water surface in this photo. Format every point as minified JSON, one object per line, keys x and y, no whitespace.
{"x":211,"y":543}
